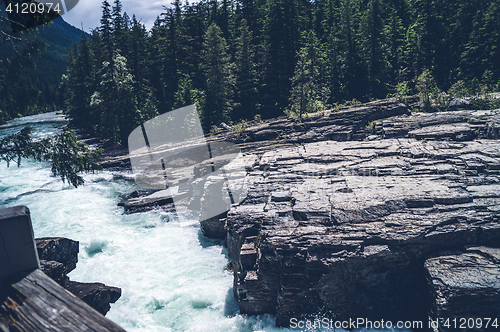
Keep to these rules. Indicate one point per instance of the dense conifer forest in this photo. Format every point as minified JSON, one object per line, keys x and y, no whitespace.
{"x":236,"y":59}
{"x":31,"y":65}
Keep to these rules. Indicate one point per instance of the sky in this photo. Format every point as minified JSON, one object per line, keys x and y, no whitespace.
{"x":88,"y":12}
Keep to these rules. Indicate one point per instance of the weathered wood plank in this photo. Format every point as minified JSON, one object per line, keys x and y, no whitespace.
{"x":38,"y":304}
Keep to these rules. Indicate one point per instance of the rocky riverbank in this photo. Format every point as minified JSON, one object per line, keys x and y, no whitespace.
{"x":58,"y":256}
{"x":353,"y":228}
{"x":371,"y":211}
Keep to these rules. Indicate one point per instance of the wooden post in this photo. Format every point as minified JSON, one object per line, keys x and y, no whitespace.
{"x":18,"y":255}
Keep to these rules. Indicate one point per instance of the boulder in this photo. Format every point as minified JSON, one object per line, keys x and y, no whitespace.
{"x":465,"y":289}
{"x":58,"y":256}
{"x":62,"y":250}
{"x":96,"y":295}
{"x":459,"y":104}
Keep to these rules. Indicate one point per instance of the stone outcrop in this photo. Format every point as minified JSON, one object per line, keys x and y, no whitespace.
{"x":465,"y":289}
{"x":347,"y":227}
{"x":455,"y":126}
{"x":59,"y":249}
{"x":58,"y":256}
{"x":344,"y":125}
{"x":341,"y":219}
{"x":96,"y":295}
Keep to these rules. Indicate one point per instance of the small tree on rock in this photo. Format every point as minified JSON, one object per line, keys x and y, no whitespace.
{"x":427,"y":89}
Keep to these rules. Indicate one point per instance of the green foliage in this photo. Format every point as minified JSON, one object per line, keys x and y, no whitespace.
{"x":106,"y":93}
{"x":353,"y":102}
{"x":115,"y":101}
{"x":402,"y":91}
{"x":292,"y":114}
{"x":240,"y":127}
{"x":460,"y":89}
{"x":234,"y":58}
{"x":219,"y":78}
{"x":246,"y":74}
{"x":427,"y":89}
{"x":309,"y":91}
{"x":31,"y":65}
{"x":480,"y":93}
{"x":68,"y":156}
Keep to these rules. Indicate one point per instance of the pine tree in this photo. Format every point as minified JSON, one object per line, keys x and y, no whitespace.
{"x":155,"y":67}
{"x":138,"y":63}
{"x":172,"y":57}
{"x":395,"y":33}
{"x":351,"y":70}
{"x":425,"y":40}
{"x":119,"y":29}
{"x":192,"y":34}
{"x":106,"y":31}
{"x":491,"y":29}
{"x":115,"y":102}
{"x":280,"y":58}
{"x":375,"y":57}
{"x":219,"y":79}
{"x":252,"y":12}
{"x":80,"y":86}
{"x":137,"y":58}
{"x":246,"y":75}
{"x":309,"y":89}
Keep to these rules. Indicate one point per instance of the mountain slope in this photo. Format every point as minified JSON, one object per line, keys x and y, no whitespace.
{"x":26,"y":89}
{"x":59,"y":37}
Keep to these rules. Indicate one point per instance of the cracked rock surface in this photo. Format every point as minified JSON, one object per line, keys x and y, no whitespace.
{"x":348,"y":229}
{"x":465,"y":286}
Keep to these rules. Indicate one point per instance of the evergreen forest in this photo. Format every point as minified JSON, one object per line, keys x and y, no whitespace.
{"x":238,"y":59}
{"x":31,"y":65}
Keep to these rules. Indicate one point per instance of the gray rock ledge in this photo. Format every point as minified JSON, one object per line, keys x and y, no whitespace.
{"x":340,"y":220}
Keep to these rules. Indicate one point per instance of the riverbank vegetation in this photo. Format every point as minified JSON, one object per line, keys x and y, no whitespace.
{"x":68,"y":156}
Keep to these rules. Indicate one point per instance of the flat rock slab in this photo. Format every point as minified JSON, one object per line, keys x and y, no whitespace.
{"x":156,"y":199}
{"x":451,"y":125}
{"x":345,"y":227}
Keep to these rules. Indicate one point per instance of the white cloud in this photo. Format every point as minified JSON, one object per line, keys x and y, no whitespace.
{"x":88,"y":12}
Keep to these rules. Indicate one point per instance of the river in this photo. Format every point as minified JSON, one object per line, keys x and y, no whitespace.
{"x":172,"y":277}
